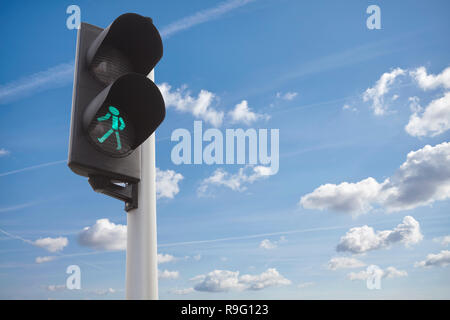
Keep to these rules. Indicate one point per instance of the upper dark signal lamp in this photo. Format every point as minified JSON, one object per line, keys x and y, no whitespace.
{"x":130,"y":44}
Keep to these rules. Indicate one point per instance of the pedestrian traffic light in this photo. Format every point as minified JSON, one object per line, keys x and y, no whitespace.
{"x":115,"y":107}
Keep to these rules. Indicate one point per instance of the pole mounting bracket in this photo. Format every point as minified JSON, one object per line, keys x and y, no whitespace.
{"x":127,"y":193}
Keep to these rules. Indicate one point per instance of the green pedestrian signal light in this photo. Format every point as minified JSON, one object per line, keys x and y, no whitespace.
{"x":110,"y":133}
{"x":114,"y":126}
{"x":123,"y":115}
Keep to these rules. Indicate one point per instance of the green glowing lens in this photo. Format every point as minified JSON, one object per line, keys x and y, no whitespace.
{"x":110,"y":132}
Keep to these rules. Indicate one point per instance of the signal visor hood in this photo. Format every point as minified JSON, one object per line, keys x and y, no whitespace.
{"x":138,"y":97}
{"x":131,"y":41}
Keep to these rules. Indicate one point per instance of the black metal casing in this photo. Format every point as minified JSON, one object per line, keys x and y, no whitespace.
{"x":137,"y":40}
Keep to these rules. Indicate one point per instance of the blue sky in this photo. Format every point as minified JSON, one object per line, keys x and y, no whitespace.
{"x":351,"y":104}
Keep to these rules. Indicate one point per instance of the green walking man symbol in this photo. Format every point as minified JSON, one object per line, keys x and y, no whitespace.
{"x":114,"y":127}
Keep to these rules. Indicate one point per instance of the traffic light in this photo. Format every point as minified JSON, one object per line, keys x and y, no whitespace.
{"x":115,"y":107}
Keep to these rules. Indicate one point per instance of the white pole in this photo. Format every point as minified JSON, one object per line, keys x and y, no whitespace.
{"x":142,"y":266}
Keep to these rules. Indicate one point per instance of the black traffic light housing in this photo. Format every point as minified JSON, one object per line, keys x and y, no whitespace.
{"x":115,"y":107}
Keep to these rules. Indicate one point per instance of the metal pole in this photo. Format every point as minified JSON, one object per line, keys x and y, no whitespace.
{"x":142,"y":265}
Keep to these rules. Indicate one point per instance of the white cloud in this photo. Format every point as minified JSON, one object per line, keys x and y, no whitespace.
{"x":56,"y":287}
{"x":434,"y":120}
{"x":51,"y":244}
{"x":422,"y":179}
{"x":389,"y":272}
{"x":362,"y":239}
{"x":360,"y":275}
{"x":183,"y":291}
{"x":445,"y":241}
{"x":167,"y":183}
{"x":223,"y":178}
{"x":224,"y":280}
{"x":202,"y":17}
{"x":218,"y":280}
{"x":289,"y":96}
{"x":304,"y":285}
{"x":344,"y":263}
{"x":269,"y":278}
{"x":242,"y":113}
{"x":197,"y":257}
{"x":414,"y":104}
{"x":166,"y":274}
{"x":430,"y":121}
{"x":164,"y":258}
{"x":237,"y":181}
{"x":260,"y":172}
{"x":354,"y":198}
{"x":104,"y":292}
{"x":267,"y":244}
{"x":200,"y":107}
{"x":45,"y":259}
{"x":441,"y":259}
{"x":430,"y":81}
{"x":4,"y":152}
{"x":382,"y":87}
{"x":104,"y":235}
{"x":349,"y":108}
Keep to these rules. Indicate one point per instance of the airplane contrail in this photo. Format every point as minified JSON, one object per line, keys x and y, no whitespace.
{"x":202,"y":17}
{"x":52,"y":163}
{"x":62,"y":74}
{"x":252,"y":236}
